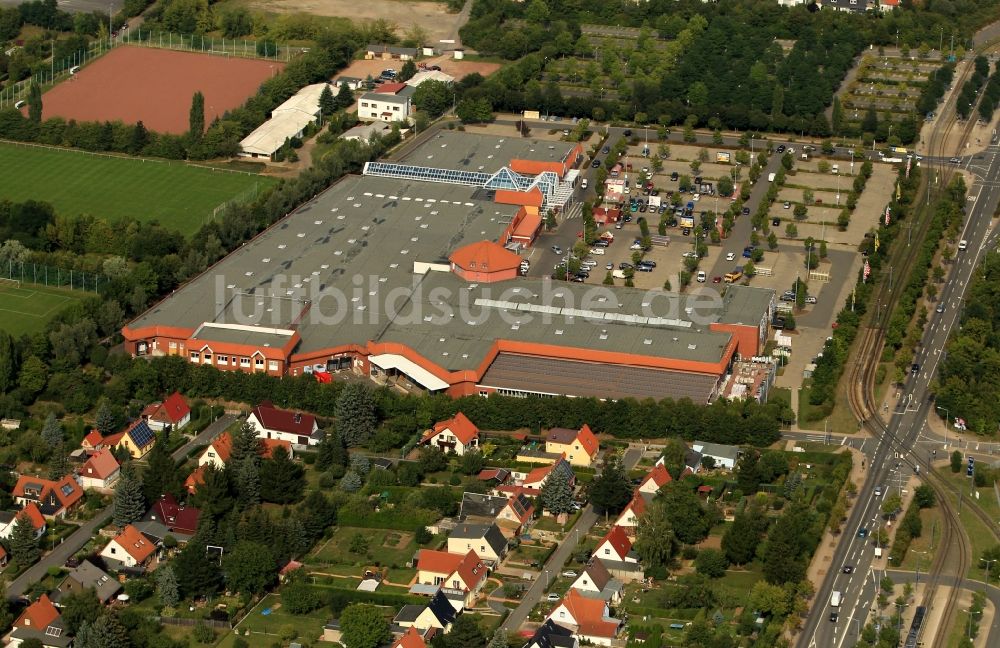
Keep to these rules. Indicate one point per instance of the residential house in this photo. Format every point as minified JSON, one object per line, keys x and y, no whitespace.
{"x":439,"y":613}
{"x":851,"y":6}
{"x":655,"y":479}
{"x":55,"y":499}
{"x":616,"y":546}
{"x":597,"y":582}
{"x":466,"y":574}
{"x":550,"y":635}
{"x":352,"y":83}
{"x":30,"y":512}
{"x":589,"y":618}
{"x":580,"y":447}
{"x":389,"y":102}
{"x":886,"y":6}
{"x":170,"y":517}
{"x":218,"y":452}
{"x":87,"y":575}
{"x":42,"y":621}
{"x":724,"y":456}
{"x":629,"y":517}
{"x":535,"y":480}
{"x":93,"y":441}
{"x":486,"y":540}
{"x":100,"y":471}
{"x":494,"y":476}
{"x":295,"y":427}
{"x":130,"y":549}
{"x":138,"y":439}
{"x":194,"y":480}
{"x":512,"y":513}
{"x":390,"y":52}
{"x":458,"y":434}
{"x":171,"y":414}
{"x":410,"y":639}
{"x":3,"y":557}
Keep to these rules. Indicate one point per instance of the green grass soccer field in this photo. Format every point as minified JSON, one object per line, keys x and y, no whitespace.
{"x":27,"y":308}
{"x":180,"y":196}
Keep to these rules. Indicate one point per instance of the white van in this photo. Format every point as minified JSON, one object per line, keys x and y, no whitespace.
{"x":836,"y":169}
{"x":702,"y":277}
{"x":835,"y":599}
{"x":599,"y":251}
{"x":583,"y":183}
{"x":770,"y":177}
{"x":963,"y":245}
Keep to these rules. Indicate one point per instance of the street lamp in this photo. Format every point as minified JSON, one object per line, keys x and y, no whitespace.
{"x":988,"y":563}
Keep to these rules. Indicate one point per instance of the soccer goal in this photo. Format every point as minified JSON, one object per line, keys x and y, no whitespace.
{"x":10,"y":283}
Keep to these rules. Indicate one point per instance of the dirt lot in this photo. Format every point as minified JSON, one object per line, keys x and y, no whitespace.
{"x":431,"y":16}
{"x":448,"y":65}
{"x":119,"y":86}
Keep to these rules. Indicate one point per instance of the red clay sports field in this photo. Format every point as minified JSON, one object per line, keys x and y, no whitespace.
{"x":155,"y":86}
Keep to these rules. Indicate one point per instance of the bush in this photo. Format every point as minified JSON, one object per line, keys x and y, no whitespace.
{"x":203,"y":634}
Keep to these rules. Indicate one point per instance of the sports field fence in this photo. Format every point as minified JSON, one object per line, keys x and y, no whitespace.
{"x":49,"y":276}
{"x":64,"y":67}
{"x":242,"y":198}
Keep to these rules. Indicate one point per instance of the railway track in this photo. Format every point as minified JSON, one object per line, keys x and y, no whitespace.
{"x":958,"y":551}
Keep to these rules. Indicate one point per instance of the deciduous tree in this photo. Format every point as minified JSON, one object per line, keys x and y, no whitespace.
{"x":363,"y":626}
{"x":249,"y":568}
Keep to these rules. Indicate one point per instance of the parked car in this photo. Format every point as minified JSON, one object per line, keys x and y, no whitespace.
{"x":702,"y":277}
{"x":716,"y":279}
{"x":674,"y":176}
{"x":570,"y":573}
{"x":746,"y":211}
{"x":781,"y":148}
{"x":810,"y":299}
{"x":553,"y":597}
{"x":788,"y":205}
{"x":775,"y":222}
{"x":731,"y":256}
{"x":557,"y":249}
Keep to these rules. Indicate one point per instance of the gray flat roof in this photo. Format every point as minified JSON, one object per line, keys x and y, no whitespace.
{"x":385,"y":97}
{"x":486,"y":153}
{"x":335,"y":266}
{"x":746,"y":305}
{"x":585,"y":379}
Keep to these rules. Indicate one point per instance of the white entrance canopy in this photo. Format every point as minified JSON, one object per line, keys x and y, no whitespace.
{"x":426,"y":379}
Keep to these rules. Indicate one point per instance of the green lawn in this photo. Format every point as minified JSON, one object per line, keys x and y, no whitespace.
{"x":28,"y":308}
{"x":178,"y":195}
{"x":385,"y":547}
{"x":266,"y":628}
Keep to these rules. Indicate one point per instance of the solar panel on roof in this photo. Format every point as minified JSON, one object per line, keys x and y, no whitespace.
{"x":140,"y":434}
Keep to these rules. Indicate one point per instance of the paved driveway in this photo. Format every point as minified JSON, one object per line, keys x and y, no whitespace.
{"x":58,"y":556}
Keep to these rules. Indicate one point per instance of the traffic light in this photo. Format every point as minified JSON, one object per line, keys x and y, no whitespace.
{"x":971,"y":467}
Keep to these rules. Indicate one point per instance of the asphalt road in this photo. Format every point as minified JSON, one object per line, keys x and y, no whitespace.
{"x":80,"y":537}
{"x":588,"y":518}
{"x":909,"y":415}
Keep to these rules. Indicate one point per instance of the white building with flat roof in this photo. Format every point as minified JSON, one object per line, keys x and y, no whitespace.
{"x":287,"y":121}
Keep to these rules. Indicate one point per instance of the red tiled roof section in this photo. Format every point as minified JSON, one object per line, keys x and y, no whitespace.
{"x":175,"y":516}
{"x":195,"y":479}
{"x":68,"y":491}
{"x":389,"y":88}
{"x":439,"y":562}
{"x":619,"y":540}
{"x":268,"y":446}
{"x":93,"y":439}
{"x":101,"y":465}
{"x":135,"y":543}
{"x":471,"y":569}
{"x":538,"y":474}
{"x":36,"y":517}
{"x":281,"y":420}
{"x":588,"y":440}
{"x":638,"y":504}
{"x":485,"y":256}
{"x":659,"y":475}
{"x":223,"y":445}
{"x":39,"y":615}
{"x":175,"y":408}
{"x":589,"y":614}
{"x":459,"y":425}
{"x":410,"y":639}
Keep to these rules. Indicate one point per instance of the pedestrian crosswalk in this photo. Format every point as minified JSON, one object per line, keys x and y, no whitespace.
{"x":573,"y":210}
